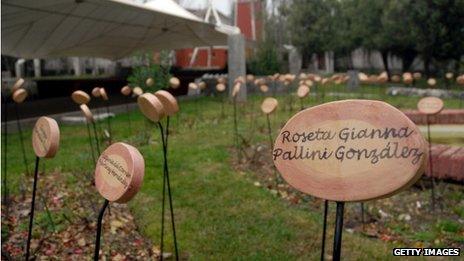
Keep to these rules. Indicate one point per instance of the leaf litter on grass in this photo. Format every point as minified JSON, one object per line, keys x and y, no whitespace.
{"x":67,"y":231}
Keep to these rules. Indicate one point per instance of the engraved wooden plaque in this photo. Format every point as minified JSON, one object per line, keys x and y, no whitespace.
{"x":169,"y":102}
{"x":174,"y":82}
{"x":220,"y":87}
{"x":269,"y":105}
{"x":18,"y":84}
{"x":87,"y":113}
{"x":302,"y":91}
{"x":151,"y":107}
{"x":264,"y":88}
{"x":96,"y":92}
{"x":236,"y":89}
{"x":119,"y":172}
{"x":149,"y":82}
{"x":137,"y":91}
{"x":126,"y":90}
{"x":80,"y":97}
{"x":430,"y":105}
{"x":45,"y":137}
{"x":19,"y":95}
{"x":103,"y":94}
{"x":351,"y":150}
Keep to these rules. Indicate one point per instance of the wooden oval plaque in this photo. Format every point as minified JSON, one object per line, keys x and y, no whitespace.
{"x":19,"y":95}
{"x":430,"y":105}
{"x":169,"y":102}
{"x":174,"y":82}
{"x":45,"y":137}
{"x":80,"y":97}
{"x":137,"y":91}
{"x":119,"y":172}
{"x":302,"y":91}
{"x":151,"y":107}
{"x":126,"y":90}
{"x":103,"y":94}
{"x":236,"y":89}
{"x":18,"y":84}
{"x":269,"y":105}
{"x":96,"y":92}
{"x":263,"y":88}
{"x":432,"y":82}
{"x":87,"y":113}
{"x":149,"y":82}
{"x":202,"y":85}
{"x":193,"y":86}
{"x":220,"y":87}
{"x":350,"y":150}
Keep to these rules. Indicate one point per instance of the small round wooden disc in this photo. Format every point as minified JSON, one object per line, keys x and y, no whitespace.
{"x":430,"y":105}
{"x":169,"y":102}
{"x":151,"y":107}
{"x":236,"y":89}
{"x":221,"y":80}
{"x":174,"y":82}
{"x":202,"y":85}
{"x":87,"y":113}
{"x":432,"y":82}
{"x":103,"y":94}
{"x":351,"y":150}
{"x":126,"y":90}
{"x":264,"y":88}
{"x":417,"y":75}
{"x":302,"y":91}
{"x":18,"y":84}
{"x":45,"y":137}
{"x":220,"y":87}
{"x":193,"y":86}
{"x":19,"y":95}
{"x":449,"y":75}
{"x":119,"y":172}
{"x":96,"y":92}
{"x":250,"y":77}
{"x":460,"y":79}
{"x":80,"y":97}
{"x":137,"y":91}
{"x":149,"y":82}
{"x":269,"y":105}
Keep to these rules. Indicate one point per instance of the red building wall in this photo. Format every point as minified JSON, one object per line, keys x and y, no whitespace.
{"x":243,"y":20}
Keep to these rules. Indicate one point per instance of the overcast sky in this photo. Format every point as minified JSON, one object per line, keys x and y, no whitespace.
{"x":221,"y":5}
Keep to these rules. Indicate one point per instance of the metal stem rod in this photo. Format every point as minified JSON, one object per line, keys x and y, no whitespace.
{"x":31,"y":215}
{"x":236,"y":131}
{"x":20,"y":131}
{"x":324,"y":228}
{"x":337,"y":245}
{"x":91,"y":143}
{"x":128,"y":115}
{"x":99,"y":229}
{"x":166,"y":174}
{"x":429,"y":138}
{"x":96,"y":137}
{"x":109,"y":120}
{"x":4,"y":162}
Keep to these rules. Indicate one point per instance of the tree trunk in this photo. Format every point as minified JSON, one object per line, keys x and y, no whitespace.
{"x":385,"y":62}
{"x":427,"y":66}
{"x":408,"y":58}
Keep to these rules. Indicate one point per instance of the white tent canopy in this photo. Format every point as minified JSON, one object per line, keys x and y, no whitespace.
{"x":100,"y":28}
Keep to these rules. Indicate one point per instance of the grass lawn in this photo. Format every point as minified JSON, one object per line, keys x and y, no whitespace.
{"x":220,"y":213}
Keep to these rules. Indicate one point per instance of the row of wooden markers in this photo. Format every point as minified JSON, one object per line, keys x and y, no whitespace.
{"x":349,"y":151}
{"x":120,"y":168}
{"x":384,"y":154}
